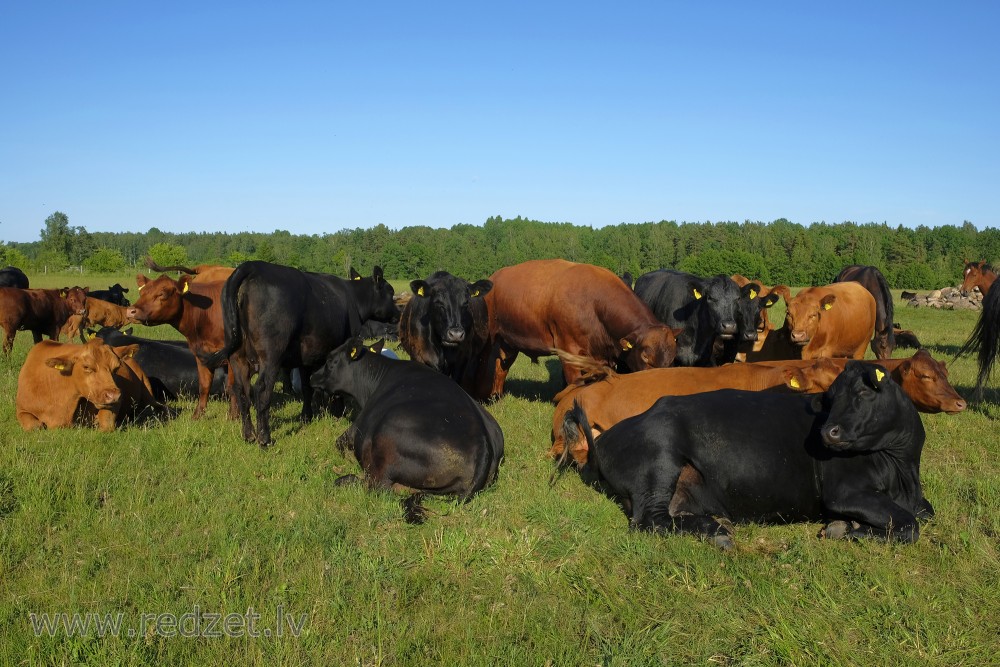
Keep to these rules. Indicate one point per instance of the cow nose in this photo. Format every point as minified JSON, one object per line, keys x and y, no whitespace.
{"x":728,"y":328}
{"x":750,"y":336}
{"x":112,"y":396}
{"x":959,"y":406}
{"x":131,"y":313}
{"x":832,"y":434}
{"x":455,"y":335}
{"x":798,"y":336}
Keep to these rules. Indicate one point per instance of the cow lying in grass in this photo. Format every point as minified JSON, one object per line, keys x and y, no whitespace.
{"x":65,"y":384}
{"x":849,"y":457}
{"x":415,"y":429}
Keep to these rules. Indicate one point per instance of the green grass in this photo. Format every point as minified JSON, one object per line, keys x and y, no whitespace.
{"x":169,"y":517}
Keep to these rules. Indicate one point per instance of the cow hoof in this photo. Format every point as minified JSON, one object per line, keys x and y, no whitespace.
{"x":838,"y":530}
{"x":723,"y":541}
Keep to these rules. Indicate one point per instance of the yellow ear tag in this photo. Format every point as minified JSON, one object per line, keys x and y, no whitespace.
{"x":753,"y":294}
{"x":89,"y":336}
{"x":141,"y":286}
{"x":60,"y":367}
{"x":627,"y":345}
{"x":186,"y":288}
{"x":420,"y":292}
{"x":354,"y":353}
{"x":475,"y":294}
{"x":372,"y":349}
{"x":827,"y":306}
{"x":697,"y":294}
{"x":794,"y":383}
{"x":879,"y":375}
{"x":357,"y":277}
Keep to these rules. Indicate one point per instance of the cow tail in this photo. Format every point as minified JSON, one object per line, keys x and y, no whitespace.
{"x":153,"y":266}
{"x":890,"y":313}
{"x":574,"y":422}
{"x":230,"y":318}
{"x":985,"y":339}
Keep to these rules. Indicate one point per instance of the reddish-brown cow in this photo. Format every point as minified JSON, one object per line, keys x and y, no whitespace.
{"x":62,"y":384}
{"x":923,"y":378}
{"x":542,"y":305}
{"x":99,"y":313}
{"x":612,"y":397}
{"x":41,"y":311}
{"x":193,"y":308}
{"x":836,"y":320}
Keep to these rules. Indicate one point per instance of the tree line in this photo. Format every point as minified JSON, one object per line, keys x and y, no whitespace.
{"x":774,"y":252}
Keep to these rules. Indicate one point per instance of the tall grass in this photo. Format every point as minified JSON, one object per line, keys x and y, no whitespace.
{"x":184,"y":515}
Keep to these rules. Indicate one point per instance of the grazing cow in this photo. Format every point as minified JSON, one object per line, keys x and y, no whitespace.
{"x":543,"y":305}
{"x":203,"y":273}
{"x":62,"y":384}
{"x":837,"y":320}
{"x":869,"y":277}
{"x":849,"y":457}
{"x":905,"y":338}
{"x":608,"y":397}
{"x":278,"y":317}
{"x":907,"y":296}
{"x":195,"y":309}
{"x":12,"y":276}
{"x":114,"y":294}
{"x":921,"y":377}
{"x":170,"y":365}
{"x":985,"y":339}
{"x":40,"y":311}
{"x":445,"y":325}
{"x":415,"y":428}
{"x":98,"y":313}
{"x":978,"y":274}
{"x":704,"y":307}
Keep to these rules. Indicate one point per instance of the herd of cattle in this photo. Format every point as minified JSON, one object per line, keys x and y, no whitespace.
{"x":683,"y":401}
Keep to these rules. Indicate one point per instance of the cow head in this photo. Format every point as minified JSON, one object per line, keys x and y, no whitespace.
{"x":925,"y":380}
{"x":448,"y":302}
{"x":337,"y":376}
{"x":805,"y":312}
{"x":117,"y":293}
{"x":718,"y":296}
{"x":814,"y":378}
{"x":865,"y":405}
{"x":91,"y":368}
{"x":159,"y":300}
{"x":654,"y":348}
{"x":76,"y":299}
{"x":374,"y":296}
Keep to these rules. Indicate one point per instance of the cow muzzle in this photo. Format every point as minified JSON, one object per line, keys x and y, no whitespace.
{"x":799,"y":337}
{"x":108,"y":399}
{"x":833,"y":436}
{"x":453,"y":336}
{"x":727,"y":330}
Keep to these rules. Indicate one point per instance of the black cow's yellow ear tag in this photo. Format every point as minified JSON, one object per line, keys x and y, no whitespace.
{"x":697,"y":294}
{"x":753,"y":294}
{"x":357,"y":277}
{"x":89,"y":336}
{"x":372,"y":349}
{"x":354,"y":353}
{"x":475,"y":293}
{"x":420,"y":292}
{"x":879,"y":375}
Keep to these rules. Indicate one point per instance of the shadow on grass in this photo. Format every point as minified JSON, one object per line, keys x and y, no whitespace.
{"x":538,"y":390}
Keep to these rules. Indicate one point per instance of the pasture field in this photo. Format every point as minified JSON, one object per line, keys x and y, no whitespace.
{"x":184,"y":518}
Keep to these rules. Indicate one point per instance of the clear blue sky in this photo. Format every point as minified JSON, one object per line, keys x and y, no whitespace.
{"x":315,"y":116}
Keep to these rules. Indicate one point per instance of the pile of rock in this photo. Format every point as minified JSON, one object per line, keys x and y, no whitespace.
{"x":946,"y":298}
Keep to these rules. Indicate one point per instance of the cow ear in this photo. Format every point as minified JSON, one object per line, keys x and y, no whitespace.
{"x":794,"y":379}
{"x":89,"y":334}
{"x":355,"y":275}
{"x":128,"y":332}
{"x":876,"y":376}
{"x":782,"y":291}
{"x":480,"y":288}
{"x":357,"y":348}
{"x":61,"y":364}
{"x":185,"y":282}
{"x":376,"y":347}
{"x":126,"y":351}
{"x":63,"y":291}
{"x":750,"y":291}
{"x":826,"y":303}
{"x":377,"y":273}
{"x":625,"y":344}
{"x":419,"y":287}
{"x":141,"y":280}
{"x":770,"y":300}
{"x":696,"y":292}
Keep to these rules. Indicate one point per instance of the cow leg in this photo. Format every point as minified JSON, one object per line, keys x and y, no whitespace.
{"x":204,"y":386}
{"x":263,"y":389}
{"x":8,"y":339}
{"x":675,"y":508}
{"x":240,"y":369}
{"x":503,"y":358}
{"x":307,"y":414}
{"x":878,"y":518}
{"x":234,"y":404}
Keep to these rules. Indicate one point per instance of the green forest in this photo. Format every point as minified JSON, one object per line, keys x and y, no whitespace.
{"x":774,"y":252}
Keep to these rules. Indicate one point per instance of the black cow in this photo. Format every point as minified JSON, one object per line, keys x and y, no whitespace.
{"x":884,"y":341}
{"x":704,"y":307}
{"x":850,"y":457}
{"x":170,"y":365}
{"x":750,"y":310}
{"x":114,"y":294}
{"x":278,"y":317}
{"x":12,"y":276}
{"x":445,"y":325}
{"x":415,"y":428}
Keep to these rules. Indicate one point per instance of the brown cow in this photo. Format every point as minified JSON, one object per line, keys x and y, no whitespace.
{"x":542,"y":305}
{"x":836,"y":320}
{"x":41,"y":311}
{"x":62,"y":384}
{"x":203,"y":273}
{"x":99,"y":313}
{"x":922,"y":377}
{"x":193,"y":308}
{"x":609,"y":397}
